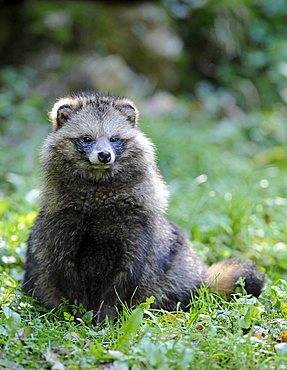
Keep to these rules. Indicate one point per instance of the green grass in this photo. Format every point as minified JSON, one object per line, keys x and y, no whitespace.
{"x":228,"y":189}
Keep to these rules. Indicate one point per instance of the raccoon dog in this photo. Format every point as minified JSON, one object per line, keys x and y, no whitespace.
{"x":101,"y":232}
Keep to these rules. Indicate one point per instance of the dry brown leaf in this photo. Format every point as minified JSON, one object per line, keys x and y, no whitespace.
{"x":200,"y":327}
{"x":258,"y":336}
{"x":284,"y":336}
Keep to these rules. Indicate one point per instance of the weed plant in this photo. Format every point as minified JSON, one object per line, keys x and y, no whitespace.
{"x":228,"y":190}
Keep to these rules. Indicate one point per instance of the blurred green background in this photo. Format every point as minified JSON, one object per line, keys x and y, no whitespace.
{"x":234,"y":50}
{"x":209,"y":78}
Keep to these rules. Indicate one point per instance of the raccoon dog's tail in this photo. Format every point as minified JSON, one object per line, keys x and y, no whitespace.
{"x":223,"y":277}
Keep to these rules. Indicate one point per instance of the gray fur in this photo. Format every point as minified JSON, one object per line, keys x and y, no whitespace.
{"x":101,"y":232}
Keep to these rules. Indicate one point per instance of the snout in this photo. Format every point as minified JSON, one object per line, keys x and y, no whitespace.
{"x":102,"y":158}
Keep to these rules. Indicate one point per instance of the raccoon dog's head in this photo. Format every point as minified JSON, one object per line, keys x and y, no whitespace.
{"x":96,"y":137}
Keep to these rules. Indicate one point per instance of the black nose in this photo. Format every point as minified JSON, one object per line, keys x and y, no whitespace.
{"x":104,"y":156}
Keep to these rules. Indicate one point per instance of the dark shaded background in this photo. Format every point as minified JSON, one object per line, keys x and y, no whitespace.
{"x":233,"y":50}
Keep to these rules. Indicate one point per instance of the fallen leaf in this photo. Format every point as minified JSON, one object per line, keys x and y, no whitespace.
{"x":173,"y":317}
{"x":87,"y":344}
{"x":115,"y":365}
{"x":259,"y":332}
{"x":76,"y":335}
{"x":115,"y":354}
{"x":284,"y":336}
{"x":169,"y":318}
{"x":23,"y":333}
{"x":52,"y":358}
{"x":258,"y":336}
{"x":168,"y":336}
{"x":195,"y":342}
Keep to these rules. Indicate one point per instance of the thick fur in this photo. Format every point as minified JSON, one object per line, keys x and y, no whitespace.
{"x":101,"y":232}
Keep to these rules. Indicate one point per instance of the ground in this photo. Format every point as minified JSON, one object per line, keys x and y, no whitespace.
{"x":228,"y":190}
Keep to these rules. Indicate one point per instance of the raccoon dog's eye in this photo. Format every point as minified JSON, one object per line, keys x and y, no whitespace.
{"x":87,"y":139}
{"x":113,"y":139}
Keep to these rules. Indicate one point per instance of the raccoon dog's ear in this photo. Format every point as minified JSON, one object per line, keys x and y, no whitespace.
{"x":61,"y":112}
{"x":128,"y":109}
